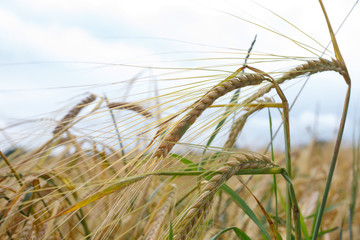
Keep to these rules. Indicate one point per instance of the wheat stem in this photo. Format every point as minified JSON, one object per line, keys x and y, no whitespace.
{"x":18,"y":178}
{"x":347,"y":79}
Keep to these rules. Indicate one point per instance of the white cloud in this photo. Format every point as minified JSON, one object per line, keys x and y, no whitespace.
{"x":60,"y":43}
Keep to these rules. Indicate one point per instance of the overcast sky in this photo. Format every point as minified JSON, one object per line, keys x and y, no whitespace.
{"x":52,"y":51}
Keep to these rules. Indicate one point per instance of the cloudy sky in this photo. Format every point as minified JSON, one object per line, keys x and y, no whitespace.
{"x":52,"y":51}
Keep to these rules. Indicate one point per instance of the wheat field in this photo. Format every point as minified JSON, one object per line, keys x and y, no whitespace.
{"x":163,"y":160}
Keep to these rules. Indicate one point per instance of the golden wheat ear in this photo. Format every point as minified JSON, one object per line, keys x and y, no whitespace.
{"x":235,"y":81}
{"x":197,"y":212}
{"x":130,"y":106}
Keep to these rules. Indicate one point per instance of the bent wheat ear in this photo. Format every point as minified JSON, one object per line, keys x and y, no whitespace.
{"x":310,"y":67}
{"x":199,"y":107}
{"x":69,"y":117}
{"x":198,"y":211}
{"x":130,"y":106}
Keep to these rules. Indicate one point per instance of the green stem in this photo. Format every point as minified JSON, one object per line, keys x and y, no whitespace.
{"x":273,"y":159}
{"x":285,"y":116}
{"x":18,"y":178}
{"x":333,"y":164}
{"x":116,"y":128}
{"x":294,"y":205}
{"x":288,"y":197}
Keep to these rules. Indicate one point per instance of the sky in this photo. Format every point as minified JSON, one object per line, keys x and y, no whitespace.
{"x":52,"y":52}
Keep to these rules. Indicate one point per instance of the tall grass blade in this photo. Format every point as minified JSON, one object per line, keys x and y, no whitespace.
{"x":171,"y":231}
{"x":247,"y":210}
{"x":271,"y":224}
{"x":294,"y":205}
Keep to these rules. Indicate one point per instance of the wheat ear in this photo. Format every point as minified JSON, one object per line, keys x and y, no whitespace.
{"x":69,"y":117}
{"x":240,"y":122}
{"x":197,"y":212}
{"x":199,"y":107}
{"x":155,"y":223}
{"x":130,"y":106}
{"x":312,"y":67}
{"x":309,"y":68}
{"x":243,"y":80}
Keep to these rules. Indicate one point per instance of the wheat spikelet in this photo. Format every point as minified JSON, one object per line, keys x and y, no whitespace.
{"x":130,"y":106}
{"x":199,"y":107}
{"x":312,"y":67}
{"x":73,"y":113}
{"x":157,"y":221}
{"x":240,"y":122}
{"x":197,"y":212}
